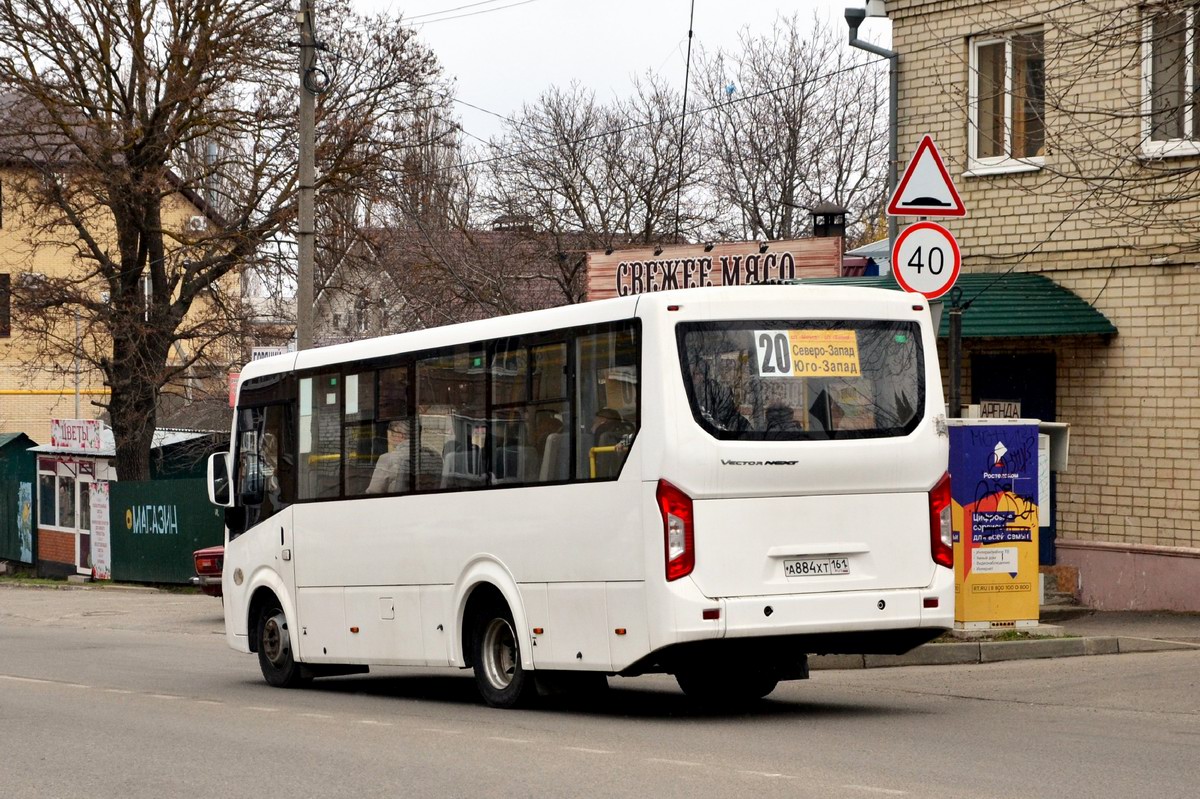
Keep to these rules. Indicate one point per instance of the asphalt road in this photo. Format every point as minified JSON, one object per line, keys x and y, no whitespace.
{"x":134,"y":694}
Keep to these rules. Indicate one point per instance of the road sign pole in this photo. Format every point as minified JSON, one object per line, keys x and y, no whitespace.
{"x":955,"y":357}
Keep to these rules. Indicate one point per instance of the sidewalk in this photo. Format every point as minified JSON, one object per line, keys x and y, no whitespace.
{"x":1095,"y":633}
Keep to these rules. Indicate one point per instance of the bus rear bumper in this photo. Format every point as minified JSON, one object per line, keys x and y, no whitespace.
{"x":865,"y":615}
{"x":779,"y":631}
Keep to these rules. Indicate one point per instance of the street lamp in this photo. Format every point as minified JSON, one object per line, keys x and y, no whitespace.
{"x":854,"y":18}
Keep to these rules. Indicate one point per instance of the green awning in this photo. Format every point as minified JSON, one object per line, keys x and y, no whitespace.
{"x":1016,"y":305}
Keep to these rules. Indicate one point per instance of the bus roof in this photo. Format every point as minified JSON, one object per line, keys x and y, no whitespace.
{"x":574,"y":315}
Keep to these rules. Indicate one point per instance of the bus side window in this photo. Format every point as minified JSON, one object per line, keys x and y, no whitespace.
{"x":365,"y":440}
{"x":265,"y":464}
{"x":607,"y":390}
{"x":451,"y":391}
{"x":320,"y":444}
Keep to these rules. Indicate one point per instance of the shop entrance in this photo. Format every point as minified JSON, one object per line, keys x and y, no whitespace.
{"x":1028,"y":378}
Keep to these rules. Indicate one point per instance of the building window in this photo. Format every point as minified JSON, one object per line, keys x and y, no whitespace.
{"x":1171,"y":81}
{"x":1008,"y":99}
{"x":361,"y":317}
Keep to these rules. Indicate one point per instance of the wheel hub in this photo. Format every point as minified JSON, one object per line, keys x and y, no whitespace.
{"x":499,"y":653}
{"x":276,"y":644}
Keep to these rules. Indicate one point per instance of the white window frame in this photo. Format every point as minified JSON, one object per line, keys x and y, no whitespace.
{"x":1168,"y":148}
{"x":977,"y":165}
{"x":75,"y":471}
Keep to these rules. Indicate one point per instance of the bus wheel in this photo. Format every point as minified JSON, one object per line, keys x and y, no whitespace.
{"x":275,"y":659}
{"x":725,"y":687}
{"x":497,"y":661}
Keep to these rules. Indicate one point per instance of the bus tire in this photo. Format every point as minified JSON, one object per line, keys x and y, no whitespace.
{"x":279,"y":667}
{"x":496,"y":659}
{"x":720,"y":687}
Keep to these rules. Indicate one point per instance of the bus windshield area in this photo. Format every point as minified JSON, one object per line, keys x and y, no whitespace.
{"x":803,"y":379}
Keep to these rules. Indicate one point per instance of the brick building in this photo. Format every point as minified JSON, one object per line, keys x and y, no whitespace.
{"x":34,"y":388}
{"x":1073,"y":136}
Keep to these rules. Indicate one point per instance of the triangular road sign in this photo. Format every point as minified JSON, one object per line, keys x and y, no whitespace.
{"x":926,"y":188}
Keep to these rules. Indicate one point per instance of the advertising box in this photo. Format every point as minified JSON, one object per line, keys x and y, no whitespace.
{"x":994,"y":492}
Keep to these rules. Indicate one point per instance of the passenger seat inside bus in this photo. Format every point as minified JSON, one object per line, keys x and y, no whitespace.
{"x":515,"y":464}
{"x":463,"y":468}
{"x":554,"y":460}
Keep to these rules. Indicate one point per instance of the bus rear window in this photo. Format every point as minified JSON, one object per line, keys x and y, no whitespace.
{"x":803,"y":380}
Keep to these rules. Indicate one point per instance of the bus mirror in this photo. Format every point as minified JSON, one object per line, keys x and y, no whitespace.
{"x":219,"y":480}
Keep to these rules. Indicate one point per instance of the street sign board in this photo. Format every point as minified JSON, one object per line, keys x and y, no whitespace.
{"x":926,"y":188}
{"x":926,"y":259}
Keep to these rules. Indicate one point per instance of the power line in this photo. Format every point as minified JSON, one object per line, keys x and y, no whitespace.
{"x":639,"y":125}
{"x":687,"y":71}
{"x":475,"y":13}
{"x":448,"y":10}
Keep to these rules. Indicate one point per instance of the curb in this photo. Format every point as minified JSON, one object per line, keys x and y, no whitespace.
{"x":85,"y":586}
{"x":997,"y":651}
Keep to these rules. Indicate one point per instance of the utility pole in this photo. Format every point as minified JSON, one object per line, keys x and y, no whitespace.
{"x":305,"y":222}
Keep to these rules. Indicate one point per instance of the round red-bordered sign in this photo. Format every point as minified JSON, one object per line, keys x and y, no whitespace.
{"x":926,"y":259}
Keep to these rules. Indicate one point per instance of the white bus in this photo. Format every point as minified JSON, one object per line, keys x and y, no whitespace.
{"x":710,"y":483}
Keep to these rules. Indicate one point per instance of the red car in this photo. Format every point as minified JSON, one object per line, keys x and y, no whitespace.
{"x":208,"y":569}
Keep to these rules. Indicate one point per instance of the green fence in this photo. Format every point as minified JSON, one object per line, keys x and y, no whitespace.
{"x":156,"y":526}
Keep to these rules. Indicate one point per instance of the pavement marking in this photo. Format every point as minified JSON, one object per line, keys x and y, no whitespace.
{"x":25,"y":679}
{"x":672,"y":762}
{"x":208,"y":701}
{"x":772,"y":774}
{"x":163,"y":696}
{"x":1191,"y":644}
{"x":315,"y":716}
{"x":587,"y":751}
{"x":508,"y":740}
{"x":117,"y":691}
{"x":443,"y":732}
{"x":263,"y":709}
{"x":375,"y":723}
{"x":872,"y":789}
{"x":36,"y":681}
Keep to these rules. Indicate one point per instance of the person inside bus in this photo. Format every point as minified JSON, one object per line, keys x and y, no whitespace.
{"x":545,"y":423}
{"x":608,"y":428}
{"x":715,"y":400}
{"x":782,"y":419}
{"x":392,"y":468}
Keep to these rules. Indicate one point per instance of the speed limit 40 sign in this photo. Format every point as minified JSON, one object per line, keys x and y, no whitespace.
{"x":926,"y":259}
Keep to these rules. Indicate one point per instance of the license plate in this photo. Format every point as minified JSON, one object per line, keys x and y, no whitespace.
{"x":816,"y":567}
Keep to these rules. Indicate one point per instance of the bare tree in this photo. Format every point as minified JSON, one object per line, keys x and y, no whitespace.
{"x":400,"y":258}
{"x":107,"y":98}
{"x":795,"y":119}
{"x":1123,"y":156}
{"x":582,"y":175}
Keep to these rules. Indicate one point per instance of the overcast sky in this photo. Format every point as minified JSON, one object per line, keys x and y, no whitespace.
{"x":507,"y":52}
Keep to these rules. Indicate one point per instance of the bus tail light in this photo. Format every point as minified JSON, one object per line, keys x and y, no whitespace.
{"x":678,"y":532}
{"x":941,"y":535}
